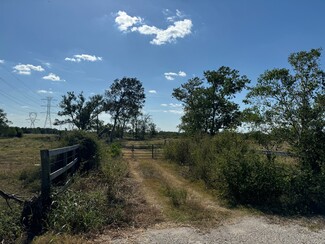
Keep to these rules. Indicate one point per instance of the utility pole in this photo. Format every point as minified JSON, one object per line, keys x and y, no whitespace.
{"x":48,"y":112}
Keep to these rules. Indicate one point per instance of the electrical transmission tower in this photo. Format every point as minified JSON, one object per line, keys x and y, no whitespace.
{"x":48,"y":112}
{"x":32,"y":118}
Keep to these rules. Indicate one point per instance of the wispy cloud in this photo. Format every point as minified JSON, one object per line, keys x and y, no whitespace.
{"x":44,"y":92}
{"x":173,"y":111}
{"x":178,"y":29}
{"x":26,"y":69}
{"x":172,"y":105}
{"x":52,"y":77}
{"x":152,"y":91}
{"x":83,"y":57}
{"x":25,"y":107}
{"x":2,"y":61}
{"x":173,"y":17}
{"x":173,"y":75}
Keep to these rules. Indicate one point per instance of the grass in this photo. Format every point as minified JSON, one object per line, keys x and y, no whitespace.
{"x":180,"y":204}
{"x":20,"y":168}
{"x":19,"y":156}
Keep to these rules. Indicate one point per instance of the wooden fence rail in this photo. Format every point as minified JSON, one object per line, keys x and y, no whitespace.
{"x":55,"y":163}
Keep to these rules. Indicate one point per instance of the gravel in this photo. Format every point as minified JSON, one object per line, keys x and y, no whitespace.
{"x":245,"y":230}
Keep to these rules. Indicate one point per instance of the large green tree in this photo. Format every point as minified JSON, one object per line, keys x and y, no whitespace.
{"x":207,"y":103}
{"x":79,"y":112}
{"x":293,"y":101}
{"x":123,"y":101}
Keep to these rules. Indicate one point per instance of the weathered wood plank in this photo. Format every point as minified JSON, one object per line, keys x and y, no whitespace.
{"x":63,"y":169}
{"x":62,"y":150}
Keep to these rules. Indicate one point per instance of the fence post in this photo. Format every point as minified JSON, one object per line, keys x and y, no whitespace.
{"x":45,"y":181}
{"x":152,"y":156}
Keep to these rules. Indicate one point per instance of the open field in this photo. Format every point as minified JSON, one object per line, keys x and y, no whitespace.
{"x":19,"y":157}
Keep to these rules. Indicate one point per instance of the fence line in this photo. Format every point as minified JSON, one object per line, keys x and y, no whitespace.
{"x":52,"y":168}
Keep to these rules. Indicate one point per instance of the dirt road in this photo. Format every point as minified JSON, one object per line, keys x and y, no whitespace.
{"x":202,"y":219}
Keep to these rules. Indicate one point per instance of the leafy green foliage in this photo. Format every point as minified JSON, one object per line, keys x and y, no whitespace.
{"x":208,"y":107}
{"x":240,"y":175}
{"x":89,"y":147}
{"x":78,"y":112}
{"x":294,"y":103}
{"x":124,"y":100}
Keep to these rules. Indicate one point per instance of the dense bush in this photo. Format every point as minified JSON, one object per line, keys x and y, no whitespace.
{"x":89,"y":147}
{"x":242,"y":176}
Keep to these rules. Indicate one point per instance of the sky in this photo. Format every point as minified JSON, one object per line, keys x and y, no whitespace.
{"x":48,"y":48}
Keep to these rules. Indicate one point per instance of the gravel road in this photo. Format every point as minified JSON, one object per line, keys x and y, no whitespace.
{"x":244,"y":230}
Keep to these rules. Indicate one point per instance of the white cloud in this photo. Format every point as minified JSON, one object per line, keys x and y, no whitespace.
{"x":83,"y":57}
{"x":152,"y":91}
{"x":181,"y":73}
{"x":52,"y":77}
{"x":24,"y":107}
{"x":44,"y":92}
{"x":174,"y":111}
{"x":173,"y":75}
{"x":179,"y":29}
{"x":164,"y":105}
{"x":26,"y":69}
{"x":2,"y":61}
{"x":125,"y":21}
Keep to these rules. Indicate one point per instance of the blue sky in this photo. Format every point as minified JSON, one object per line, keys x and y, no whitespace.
{"x":48,"y":48}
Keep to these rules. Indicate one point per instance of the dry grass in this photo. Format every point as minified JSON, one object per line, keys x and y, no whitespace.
{"x":21,"y":154}
{"x":199,"y":208}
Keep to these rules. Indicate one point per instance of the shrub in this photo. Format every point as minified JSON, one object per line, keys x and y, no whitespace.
{"x":179,"y":151}
{"x":115,"y":150}
{"x":89,"y":147}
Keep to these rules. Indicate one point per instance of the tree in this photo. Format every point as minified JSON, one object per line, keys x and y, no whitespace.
{"x":124,"y":100}
{"x":79,"y":112}
{"x":208,"y":106}
{"x":4,"y":122}
{"x":295,"y":104}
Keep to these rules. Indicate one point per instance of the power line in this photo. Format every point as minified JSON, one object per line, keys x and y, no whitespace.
{"x":20,"y":93}
{"x":22,"y":82}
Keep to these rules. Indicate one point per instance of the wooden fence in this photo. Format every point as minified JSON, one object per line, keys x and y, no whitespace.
{"x":56,"y":165}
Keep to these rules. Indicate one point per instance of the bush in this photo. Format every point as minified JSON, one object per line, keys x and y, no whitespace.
{"x":89,"y":147}
{"x":179,"y":151}
{"x":115,"y":150}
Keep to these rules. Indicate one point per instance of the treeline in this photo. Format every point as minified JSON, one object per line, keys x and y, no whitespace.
{"x":284,"y":107}
{"x":123,"y":101}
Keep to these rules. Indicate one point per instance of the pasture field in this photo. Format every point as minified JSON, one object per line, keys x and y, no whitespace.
{"x":20,"y":162}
